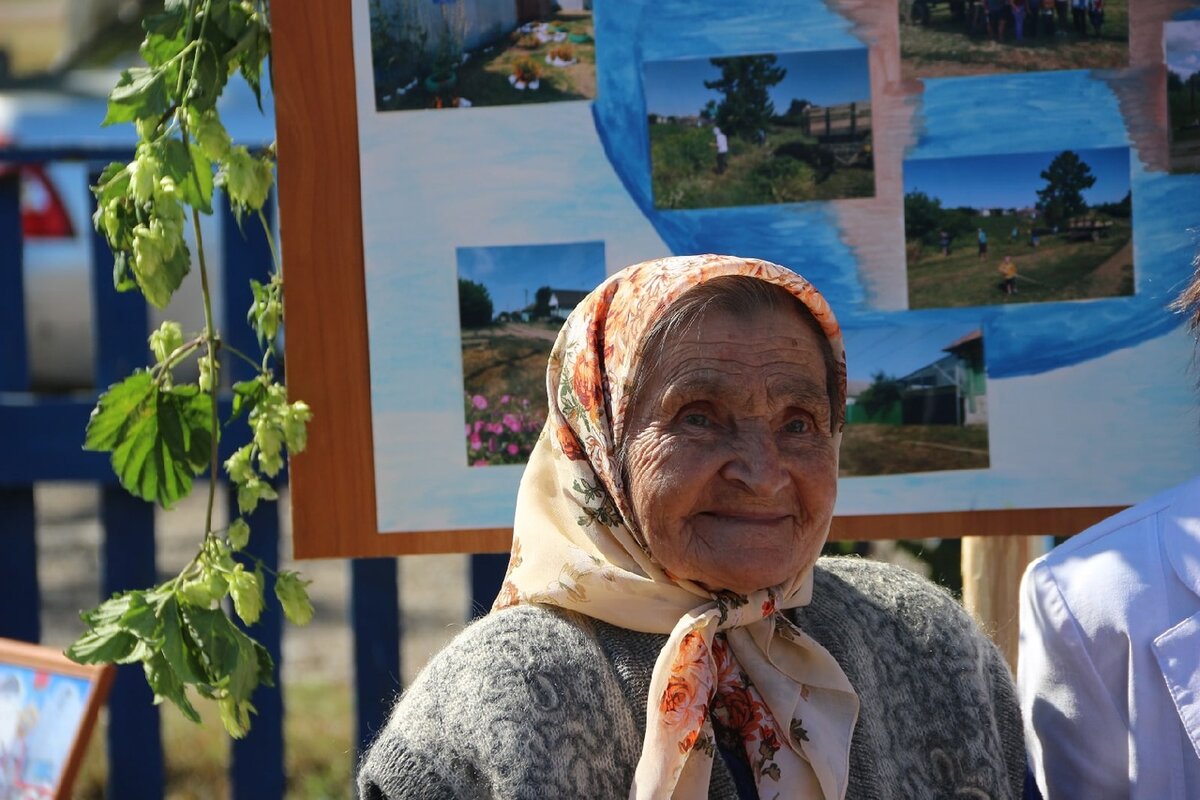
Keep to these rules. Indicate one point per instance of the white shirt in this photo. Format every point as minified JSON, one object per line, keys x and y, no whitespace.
{"x":1109,"y":668}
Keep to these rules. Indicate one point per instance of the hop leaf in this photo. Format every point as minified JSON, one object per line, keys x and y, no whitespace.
{"x":246,"y":591}
{"x":293,"y":596}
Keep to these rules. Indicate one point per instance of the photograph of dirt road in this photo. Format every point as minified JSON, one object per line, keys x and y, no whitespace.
{"x":1018,"y":228}
{"x":1181,"y":43}
{"x":943,"y":38}
{"x":916,"y":400}
{"x":759,"y":129}
{"x":512,"y":302}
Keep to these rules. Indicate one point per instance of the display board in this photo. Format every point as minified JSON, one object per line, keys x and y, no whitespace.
{"x":996,"y":201}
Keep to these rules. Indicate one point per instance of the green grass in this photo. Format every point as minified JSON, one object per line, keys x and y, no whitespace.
{"x":872,"y":449}
{"x":683,"y":170}
{"x":483,"y":80}
{"x":1058,"y":269}
{"x":318,"y":749}
{"x":945,"y":47}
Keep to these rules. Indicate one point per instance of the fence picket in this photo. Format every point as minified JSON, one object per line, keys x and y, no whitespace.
{"x":18,"y":569}
{"x":135,"y":752}
{"x":256,"y":768}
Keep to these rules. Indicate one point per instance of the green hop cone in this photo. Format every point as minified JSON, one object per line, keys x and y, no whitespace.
{"x":238,"y":465}
{"x":250,"y":492}
{"x":239,"y":534}
{"x":295,"y":426}
{"x":203,"y":591}
{"x":208,"y":370}
{"x":246,"y":591}
{"x":209,"y":133}
{"x":235,"y":715}
{"x":247,"y":179}
{"x":269,"y":439}
{"x":143,"y":174}
{"x":166,"y":340}
{"x":293,"y":596}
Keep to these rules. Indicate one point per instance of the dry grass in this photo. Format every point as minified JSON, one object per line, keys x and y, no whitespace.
{"x":318,"y":751}
{"x":870,"y":449}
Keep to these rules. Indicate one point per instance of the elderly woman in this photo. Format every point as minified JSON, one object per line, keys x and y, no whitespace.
{"x":665,"y":628}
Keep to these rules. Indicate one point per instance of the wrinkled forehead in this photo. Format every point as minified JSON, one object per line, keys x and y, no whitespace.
{"x":622,"y":311}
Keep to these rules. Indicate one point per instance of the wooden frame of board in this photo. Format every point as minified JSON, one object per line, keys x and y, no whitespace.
{"x":99,"y":680}
{"x":333,"y":481}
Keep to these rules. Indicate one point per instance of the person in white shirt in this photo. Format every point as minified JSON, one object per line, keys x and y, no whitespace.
{"x":1109,"y":664}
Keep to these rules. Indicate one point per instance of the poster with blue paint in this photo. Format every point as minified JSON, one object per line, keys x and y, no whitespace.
{"x":1042,"y":371}
{"x":40,"y":713}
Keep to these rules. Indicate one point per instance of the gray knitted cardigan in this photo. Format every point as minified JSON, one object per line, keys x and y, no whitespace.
{"x":537,"y":702}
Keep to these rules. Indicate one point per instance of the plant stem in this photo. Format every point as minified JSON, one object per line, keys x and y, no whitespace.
{"x":210,"y":339}
{"x":226,"y":346}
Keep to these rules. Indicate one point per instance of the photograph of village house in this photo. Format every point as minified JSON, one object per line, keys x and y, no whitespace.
{"x":916,"y":400}
{"x":1181,"y":43}
{"x":758,"y":129}
{"x":463,"y":53}
{"x":942,"y":38}
{"x":512,"y":301}
{"x":1018,"y":227}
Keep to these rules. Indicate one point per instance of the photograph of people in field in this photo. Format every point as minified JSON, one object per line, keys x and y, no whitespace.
{"x":757,"y":129}
{"x":1018,"y":227}
{"x":463,"y":53}
{"x":916,"y":400}
{"x":512,"y":301}
{"x":1181,"y":43}
{"x":942,"y":38}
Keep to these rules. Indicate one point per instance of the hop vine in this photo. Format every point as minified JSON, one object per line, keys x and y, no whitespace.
{"x":163,"y":432}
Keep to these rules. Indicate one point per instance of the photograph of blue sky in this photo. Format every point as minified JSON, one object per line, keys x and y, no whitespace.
{"x":513,"y":273}
{"x":824,"y":77}
{"x":1012,"y":180}
{"x":1181,"y":41}
{"x":898,"y":350}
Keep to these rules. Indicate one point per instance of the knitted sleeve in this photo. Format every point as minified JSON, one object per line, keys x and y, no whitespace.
{"x":521,"y":704}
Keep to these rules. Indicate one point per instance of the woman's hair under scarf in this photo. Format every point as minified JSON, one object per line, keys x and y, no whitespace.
{"x":574,"y":548}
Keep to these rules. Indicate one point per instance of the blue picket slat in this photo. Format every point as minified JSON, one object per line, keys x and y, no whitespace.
{"x":135,"y":751}
{"x":14,"y":364}
{"x":375,"y":617}
{"x":256,"y":767}
{"x":19,"y":596}
{"x":487,"y":573}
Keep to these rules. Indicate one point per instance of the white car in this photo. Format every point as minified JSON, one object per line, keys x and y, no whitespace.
{"x":56,"y":214}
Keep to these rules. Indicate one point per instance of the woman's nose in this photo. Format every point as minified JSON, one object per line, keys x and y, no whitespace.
{"x":756,"y":464}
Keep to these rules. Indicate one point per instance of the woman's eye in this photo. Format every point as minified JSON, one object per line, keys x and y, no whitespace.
{"x":696,"y":418}
{"x":800,"y":425}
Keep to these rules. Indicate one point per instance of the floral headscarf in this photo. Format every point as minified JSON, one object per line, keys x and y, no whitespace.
{"x":735,"y":658}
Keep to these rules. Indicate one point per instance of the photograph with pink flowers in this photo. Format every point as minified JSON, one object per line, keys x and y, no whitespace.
{"x":512,"y":301}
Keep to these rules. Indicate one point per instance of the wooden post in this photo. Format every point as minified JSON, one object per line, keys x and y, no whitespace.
{"x":991,"y":569}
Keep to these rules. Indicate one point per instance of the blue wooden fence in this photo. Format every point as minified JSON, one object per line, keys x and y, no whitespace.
{"x":41,"y":440}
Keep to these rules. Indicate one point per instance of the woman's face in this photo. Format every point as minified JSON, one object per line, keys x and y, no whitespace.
{"x":731,"y":467}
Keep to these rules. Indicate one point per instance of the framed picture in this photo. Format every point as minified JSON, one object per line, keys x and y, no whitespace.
{"x":48,"y":707}
{"x":960,"y":179}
